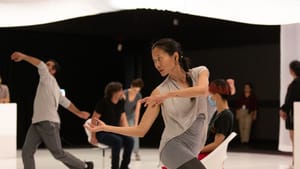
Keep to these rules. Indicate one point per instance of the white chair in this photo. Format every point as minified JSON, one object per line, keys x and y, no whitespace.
{"x":101,"y":146}
{"x":215,"y":159}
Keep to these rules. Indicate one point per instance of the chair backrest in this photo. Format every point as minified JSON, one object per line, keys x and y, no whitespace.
{"x":216,"y":158}
{"x":89,"y":135}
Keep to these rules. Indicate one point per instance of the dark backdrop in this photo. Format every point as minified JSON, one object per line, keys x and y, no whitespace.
{"x":87,"y":50}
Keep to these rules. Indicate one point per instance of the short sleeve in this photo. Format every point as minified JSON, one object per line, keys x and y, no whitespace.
{"x":197,"y":70}
{"x":223,"y":124}
{"x":43,"y":71}
{"x":122,"y":106}
{"x":64,"y":101}
{"x":99,"y":108}
{"x":139,"y":96}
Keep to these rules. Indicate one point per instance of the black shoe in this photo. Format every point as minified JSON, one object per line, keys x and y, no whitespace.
{"x":90,"y":165}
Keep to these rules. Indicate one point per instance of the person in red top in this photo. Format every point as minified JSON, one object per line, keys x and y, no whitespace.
{"x":246,"y":111}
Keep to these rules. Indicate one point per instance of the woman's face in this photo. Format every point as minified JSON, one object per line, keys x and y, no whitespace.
{"x":163,"y":62}
{"x":292,"y":73}
{"x":136,"y":89}
{"x":247,"y":89}
{"x":214,"y":96}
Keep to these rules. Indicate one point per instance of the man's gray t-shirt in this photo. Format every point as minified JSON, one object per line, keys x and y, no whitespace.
{"x":4,"y":92}
{"x":48,"y":97}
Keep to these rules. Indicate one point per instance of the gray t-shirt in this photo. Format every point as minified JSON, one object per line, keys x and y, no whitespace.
{"x":130,"y":106}
{"x":48,"y":97}
{"x":179,"y":113}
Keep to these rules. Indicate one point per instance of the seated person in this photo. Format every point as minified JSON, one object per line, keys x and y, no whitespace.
{"x":110,"y":109}
{"x":221,"y":124}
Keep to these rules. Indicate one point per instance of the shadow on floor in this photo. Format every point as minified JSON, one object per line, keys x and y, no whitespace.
{"x":264,"y":147}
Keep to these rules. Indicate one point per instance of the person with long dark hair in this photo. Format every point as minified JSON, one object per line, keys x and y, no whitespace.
{"x":246,"y":111}
{"x":292,"y":95}
{"x":182,"y":100}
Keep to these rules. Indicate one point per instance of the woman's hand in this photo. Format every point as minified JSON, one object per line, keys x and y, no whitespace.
{"x":154,"y":100}
{"x":231,"y":85}
{"x":238,"y":114}
{"x":283,"y":114}
{"x":100,"y":125}
{"x":253,"y":115}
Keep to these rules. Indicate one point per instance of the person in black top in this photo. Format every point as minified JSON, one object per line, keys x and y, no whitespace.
{"x":292,"y":95}
{"x":221,"y":124}
{"x":110,"y":109}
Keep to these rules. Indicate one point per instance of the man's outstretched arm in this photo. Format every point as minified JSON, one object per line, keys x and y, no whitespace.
{"x":18,"y":56}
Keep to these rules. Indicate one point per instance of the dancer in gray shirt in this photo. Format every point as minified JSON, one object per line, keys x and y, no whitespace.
{"x":182,"y":99}
{"x":45,"y":127}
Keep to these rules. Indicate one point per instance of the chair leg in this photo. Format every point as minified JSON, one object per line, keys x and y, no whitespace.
{"x":103,"y":158}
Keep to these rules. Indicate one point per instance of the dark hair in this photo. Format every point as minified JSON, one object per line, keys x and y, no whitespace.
{"x":295,"y":67}
{"x":57,"y":66}
{"x":137,"y":83}
{"x":171,"y":46}
{"x":250,"y":85}
{"x":111,"y":88}
{"x":221,"y":87}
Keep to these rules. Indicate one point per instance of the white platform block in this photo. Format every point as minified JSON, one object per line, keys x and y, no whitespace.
{"x":8,"y":130}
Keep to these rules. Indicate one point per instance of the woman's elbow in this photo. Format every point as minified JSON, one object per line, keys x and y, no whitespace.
{"x":141,"y":133}
{"x":202,"y":91}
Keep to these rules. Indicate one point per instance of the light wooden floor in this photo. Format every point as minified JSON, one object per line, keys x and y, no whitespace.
{"x":236,"y":160}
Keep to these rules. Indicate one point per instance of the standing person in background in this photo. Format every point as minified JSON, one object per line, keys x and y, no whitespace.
{"x":246,"y":111}
{"x":292,"y":95}
{"x":110,"y":109}
{"x":4,"y":92}
{"x":132,"y":108}
{"x":182,"y":100}
{"x":45,"y":127}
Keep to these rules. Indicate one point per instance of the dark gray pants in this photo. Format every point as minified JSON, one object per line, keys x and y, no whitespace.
{"x":48,"y":133}
{"x":187,"y":145}
{"x":192,"y":164}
